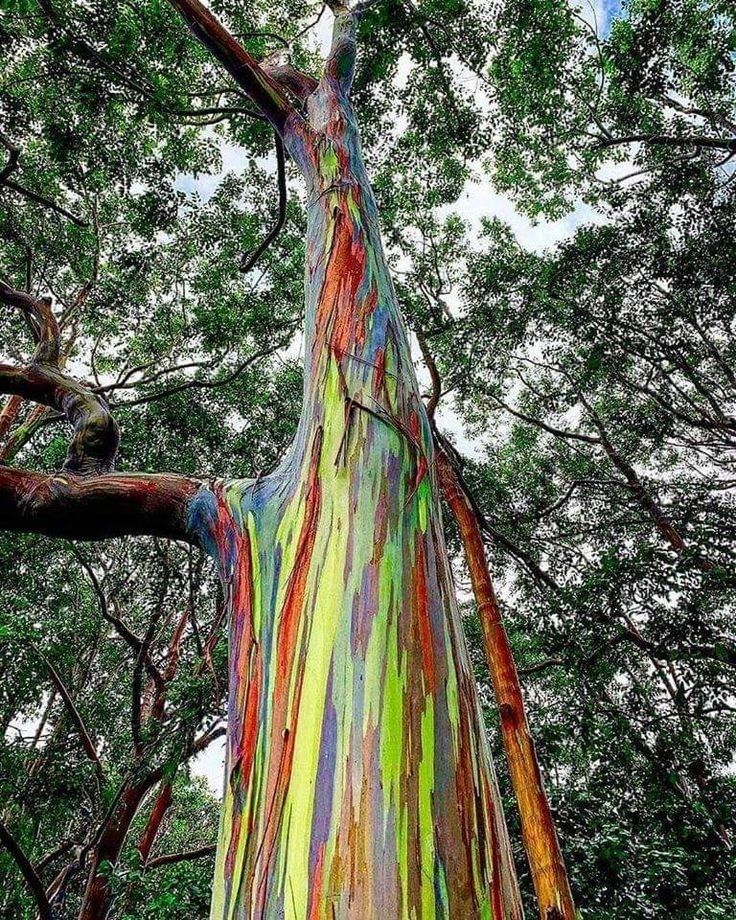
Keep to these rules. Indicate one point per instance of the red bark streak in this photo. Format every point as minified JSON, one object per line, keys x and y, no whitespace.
{"x":283,"y":734}
{"x":369,"y":305}
{"x":497,"y":899}
{"x":232,"y":850}
{"x":317,"y":885}
{"x":294,"y":601}
{"x":337,"y":317}
{"x":540,"y":839}
{"x":379,"y":374}
{"x":249,"y":733}
{"x":421,"y":616}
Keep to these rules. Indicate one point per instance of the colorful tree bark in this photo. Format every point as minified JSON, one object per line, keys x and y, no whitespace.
{"x":358,"y":778}
{"x":547,"y":865}
{"x":358,"y":783}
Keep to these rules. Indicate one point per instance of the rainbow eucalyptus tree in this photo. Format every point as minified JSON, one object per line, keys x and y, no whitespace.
{"x":358,"y":777}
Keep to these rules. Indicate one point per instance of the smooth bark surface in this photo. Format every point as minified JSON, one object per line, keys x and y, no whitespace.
{"x":358,"y":777}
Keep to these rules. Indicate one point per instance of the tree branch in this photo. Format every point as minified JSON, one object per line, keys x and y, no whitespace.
{"x":96,"y":437}
{"x":35,"y":884}
{"x":87,"y":743}
{"x":250,"y":259}
{"x":43,"y":201}
{"x":262,"y":89}
{"x":170,"y":859}
{"x":6,"y":182}
{"x":671,"y":140}
{"x":340,"y":63}
{"x":97,"y":507}
{"x":41,"y":319}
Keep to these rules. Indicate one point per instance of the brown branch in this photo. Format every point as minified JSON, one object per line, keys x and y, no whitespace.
{"x":262,"y":89}
{"x":551,"y":429}
{"x":170,"y":859}
{"x":204,"y":741}
{"x":434,"y":373}
{"x":97,"y":507}
{"x":87,"y":743}
{"x":653,"y":509}
{"x":5,"y":182}
{"x":41,"y":320}
{"x":45,"y":910}
{"x":137,"y":707}
{"x":537,"y":824}
{"x":538,"y":573}
{"x":13,"y":156}
{"x":94,"y":444}
{"x":95,"y":441}
{"x":670,"y":140}
{"x":42,"y":200}
{"x":206,"y":384}
{"x":219,"y":110}
{"x":125,"y":633}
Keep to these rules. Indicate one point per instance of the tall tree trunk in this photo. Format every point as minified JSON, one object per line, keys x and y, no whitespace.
{"x":358,"y":778}
{"x":97,"y":893}
{"x":549,"y":875}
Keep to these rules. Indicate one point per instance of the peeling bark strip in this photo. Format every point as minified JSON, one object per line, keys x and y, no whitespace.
{"x":358,"y":778}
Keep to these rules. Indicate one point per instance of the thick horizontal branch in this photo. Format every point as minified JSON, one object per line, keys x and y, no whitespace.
{"x":96,"y":507}
{"x":170,"y":859}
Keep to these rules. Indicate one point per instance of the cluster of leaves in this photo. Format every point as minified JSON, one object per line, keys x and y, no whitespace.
{"x":597,"y":379}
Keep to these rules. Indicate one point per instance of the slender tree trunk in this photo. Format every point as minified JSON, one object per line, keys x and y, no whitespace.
{"x":546,"y":862}
{"x":155,"y":820}
{"x":358,"y":777}
{"x":97,"y":894}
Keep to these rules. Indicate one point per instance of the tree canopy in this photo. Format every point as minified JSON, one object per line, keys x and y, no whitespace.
{"x":587,"y":385}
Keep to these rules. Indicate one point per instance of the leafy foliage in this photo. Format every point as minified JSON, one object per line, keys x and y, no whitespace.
{"x":595,"y":378}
